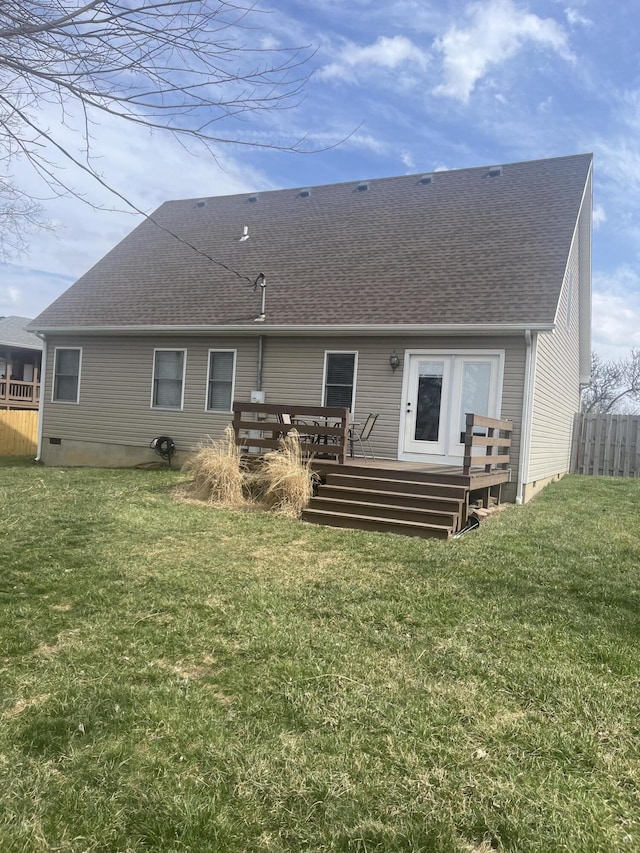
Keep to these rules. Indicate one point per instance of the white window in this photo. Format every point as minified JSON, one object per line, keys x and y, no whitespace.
{"x":168,"y":378}
{"x":220,"y":380}
{"x":339,"y":379}
{"x":66,"y":375}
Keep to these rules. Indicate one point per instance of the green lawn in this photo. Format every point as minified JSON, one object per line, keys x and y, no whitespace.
{"x":180,"y":678}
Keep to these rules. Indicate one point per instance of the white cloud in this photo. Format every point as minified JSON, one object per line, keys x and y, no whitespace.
{"x":574,"y":17}
{"x":408,"y":160}
{"x":497,"y":30}
{"x":599,"y":216}
{"x":386,"y":53}
{"x":616,"y":312}
{"x":26,"y":291}
{"x":148,"y":169}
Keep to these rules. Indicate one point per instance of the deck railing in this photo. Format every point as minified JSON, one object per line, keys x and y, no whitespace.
{"x":323,"y":430}
{"x":495,"y":438}
{"x":19,"y":393}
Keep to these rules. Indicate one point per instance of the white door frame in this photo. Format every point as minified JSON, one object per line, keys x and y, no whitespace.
{"x":452,"y":454}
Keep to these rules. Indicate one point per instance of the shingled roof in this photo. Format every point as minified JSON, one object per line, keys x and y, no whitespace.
{"x":470,"y":246}
{"x":13,"y":333}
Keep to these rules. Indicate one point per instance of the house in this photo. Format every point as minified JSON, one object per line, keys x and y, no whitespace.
{"x":419,"y":297}
{"x":20,"y":357}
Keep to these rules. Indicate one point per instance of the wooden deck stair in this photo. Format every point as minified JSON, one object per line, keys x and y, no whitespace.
{"x":410,"y":503}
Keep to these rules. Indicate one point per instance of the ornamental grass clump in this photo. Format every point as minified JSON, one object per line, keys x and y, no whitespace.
{"x":286,"y":478}
{"x":218,"y":473}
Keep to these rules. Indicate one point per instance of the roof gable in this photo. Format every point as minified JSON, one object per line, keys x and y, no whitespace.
{"x":466,"y":247}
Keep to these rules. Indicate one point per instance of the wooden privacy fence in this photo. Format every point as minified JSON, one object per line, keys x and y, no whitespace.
{"x":18,"y":432}
{"x":606,"y":445}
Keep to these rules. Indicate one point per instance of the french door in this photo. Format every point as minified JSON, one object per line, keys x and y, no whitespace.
{"x":439,"y":389}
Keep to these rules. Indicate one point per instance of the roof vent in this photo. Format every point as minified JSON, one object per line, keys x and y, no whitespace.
{"x":253,"y":198}
{"x":363,"y":187}
{"x":245,"y":234}
{"x":304,"y":193}
{"x":494,"y":171}
{"x":201,"y":204}
{"x":426,"y":179}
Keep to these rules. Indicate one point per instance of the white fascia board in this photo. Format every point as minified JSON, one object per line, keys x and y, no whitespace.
{"x":347,"y":329}
{"x":584,"y":281}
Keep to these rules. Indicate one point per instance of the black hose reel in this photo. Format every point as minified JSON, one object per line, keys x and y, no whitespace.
{"x":164,"y":446}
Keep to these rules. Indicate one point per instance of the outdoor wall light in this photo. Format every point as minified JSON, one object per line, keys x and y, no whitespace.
{"x":394,"y":361}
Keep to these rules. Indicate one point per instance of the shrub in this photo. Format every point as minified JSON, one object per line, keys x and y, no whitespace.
{"x":218,"y":474}
{"x":285,"y":478}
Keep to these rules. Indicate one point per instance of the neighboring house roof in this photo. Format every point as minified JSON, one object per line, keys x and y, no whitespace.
{"x":13,"y":333}
{"x":466,"y":248}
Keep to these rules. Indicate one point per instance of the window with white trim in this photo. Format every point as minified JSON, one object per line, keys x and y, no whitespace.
{"x":168,"y":378}
{"x":339,"y":379}
{"x":220,"y":380}
{"x":66,"y":375}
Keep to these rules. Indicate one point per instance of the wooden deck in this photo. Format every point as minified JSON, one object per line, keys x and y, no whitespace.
{"x":477,"y":478}
{"x":407,"y":498}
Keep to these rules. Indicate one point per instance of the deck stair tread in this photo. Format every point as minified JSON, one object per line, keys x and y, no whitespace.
{"x":393,"y":484}
{"x":408,"y":499}
{"x":383,"y":524}
{"x":387,"y":511}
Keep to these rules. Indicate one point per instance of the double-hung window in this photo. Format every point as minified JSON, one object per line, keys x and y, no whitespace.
{"x":168,"y":378}
{"x":340,"y":379}
{"x":66,"y":375}
{"x":220,"y":380}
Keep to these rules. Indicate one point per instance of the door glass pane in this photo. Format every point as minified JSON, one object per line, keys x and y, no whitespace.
{"x":476,"y":378}
{"x":429,"y":400}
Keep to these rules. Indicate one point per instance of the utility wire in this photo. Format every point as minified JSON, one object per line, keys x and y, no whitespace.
{"x":130,"y":204}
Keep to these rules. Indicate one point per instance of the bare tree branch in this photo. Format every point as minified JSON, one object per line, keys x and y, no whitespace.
{"x":614,"y":384}
{"x":180,"y":66}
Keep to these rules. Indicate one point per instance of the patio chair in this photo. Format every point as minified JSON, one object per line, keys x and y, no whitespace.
{"x":286,"y":420}
{"x":362,"y":436}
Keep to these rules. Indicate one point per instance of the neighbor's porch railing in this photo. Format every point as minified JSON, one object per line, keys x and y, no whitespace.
{"x":496,"y":438}
{"x":323,"y":429}
{"x":13,"y":391}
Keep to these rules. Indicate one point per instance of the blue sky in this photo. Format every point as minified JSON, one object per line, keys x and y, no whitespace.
{"x":415,"y":86}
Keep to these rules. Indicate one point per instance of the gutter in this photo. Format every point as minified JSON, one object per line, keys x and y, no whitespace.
{"x":527,"y":410}
{"x":282,"y":329}
{"x":43,"y":373}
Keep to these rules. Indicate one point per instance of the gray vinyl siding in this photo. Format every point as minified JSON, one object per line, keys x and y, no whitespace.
{"x":378,"y":389}
{"x":115,"y":390}
{"x":115,"y":384}
{"x":556,"y":395}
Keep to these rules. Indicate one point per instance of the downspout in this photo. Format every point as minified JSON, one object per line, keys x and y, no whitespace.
{"x":260,"y":351}
{"x":43,"y":373}
{"x":527,"y":409}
